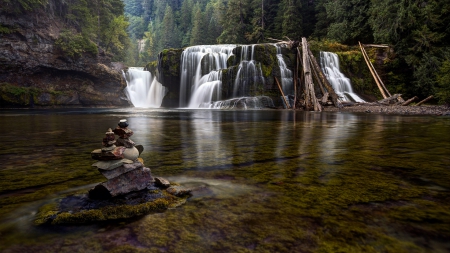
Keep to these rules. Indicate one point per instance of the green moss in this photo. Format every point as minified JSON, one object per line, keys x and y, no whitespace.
{"x":170,"y":62}
{"x":49,"y":212}
{"x":6,"y":30}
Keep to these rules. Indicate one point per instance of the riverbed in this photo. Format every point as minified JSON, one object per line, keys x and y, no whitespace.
{"x":275,"y":181}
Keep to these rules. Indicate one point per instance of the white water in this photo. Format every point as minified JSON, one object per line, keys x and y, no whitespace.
{"x":340,"y":83}
{"x":287,"y":81}
{"x":249,"y":72}
{"x":143,"y":90}
{"x":200,"y":73}
{"x":240,"y":103}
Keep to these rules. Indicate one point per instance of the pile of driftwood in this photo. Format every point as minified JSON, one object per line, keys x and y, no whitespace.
{"x":310,"y":99}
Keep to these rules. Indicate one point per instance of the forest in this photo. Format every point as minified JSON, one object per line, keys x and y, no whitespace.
{"x":135,"y":31}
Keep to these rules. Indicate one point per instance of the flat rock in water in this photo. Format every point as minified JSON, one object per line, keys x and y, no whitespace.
{"x":134,"y":180}
{"x":112,"y":164}
{"x":179,"y":191}
{"x":159,"y":181}
{"x":112,"y":173}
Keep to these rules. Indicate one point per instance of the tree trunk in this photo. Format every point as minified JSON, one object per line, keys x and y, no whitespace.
{"x":311,"y":96}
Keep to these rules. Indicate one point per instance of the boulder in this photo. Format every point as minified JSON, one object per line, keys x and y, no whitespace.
{"x":134,"y":180}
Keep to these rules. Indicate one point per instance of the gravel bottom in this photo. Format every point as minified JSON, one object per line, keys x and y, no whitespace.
{"x":441,"y":110}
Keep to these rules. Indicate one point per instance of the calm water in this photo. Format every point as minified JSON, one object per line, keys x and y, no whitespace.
{"x":277,"y":181}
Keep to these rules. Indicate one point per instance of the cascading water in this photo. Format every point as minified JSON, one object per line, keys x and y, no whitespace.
{"x":287,"y":81}
{"x":142,"y":89}
{"x":200,"y":73}
{"x":249,"y":72}
{"x":341,"y":84}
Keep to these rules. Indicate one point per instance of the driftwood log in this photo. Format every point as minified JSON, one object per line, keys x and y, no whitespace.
{"x":425,"y":100}
{"x":390,"y":100}
{"x":409,"y":101}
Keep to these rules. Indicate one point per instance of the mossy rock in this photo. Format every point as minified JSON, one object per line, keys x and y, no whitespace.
{"x":170,"y":60}
{"x":79,"y":209}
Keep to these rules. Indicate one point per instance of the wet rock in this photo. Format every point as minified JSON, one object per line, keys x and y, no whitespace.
{"x":179,"y":191}
{"x":162,"y":182}
{"x":109,"y":165}
{"x":124,"y":133}
{"x":125,"y":142}
{"x":131,"y":153}
{"x":134,"y":180}
{"x":124,"y":168}
{"x":140,"y":148}
{"x":115,"y":154}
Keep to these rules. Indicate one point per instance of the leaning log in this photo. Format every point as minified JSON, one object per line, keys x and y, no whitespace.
{"x":409,"y":101}
{"x":425,"y":100}
{"x":376,"y":73}
{"x":331,"y":92}
{"x":366,"y":59}
{"x":282,"y":93}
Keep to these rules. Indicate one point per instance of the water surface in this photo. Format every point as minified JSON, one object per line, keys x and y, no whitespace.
{"x":277,"y":181}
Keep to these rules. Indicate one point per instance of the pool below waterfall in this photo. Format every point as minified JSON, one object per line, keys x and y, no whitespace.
{"x":275,"y":181}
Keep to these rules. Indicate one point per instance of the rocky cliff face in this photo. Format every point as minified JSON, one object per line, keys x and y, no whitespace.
{"x":34,"y":72}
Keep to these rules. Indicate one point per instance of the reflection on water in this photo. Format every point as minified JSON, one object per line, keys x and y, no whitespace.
{"x":266,"y":180}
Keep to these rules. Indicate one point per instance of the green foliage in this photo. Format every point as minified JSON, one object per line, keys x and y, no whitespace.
{"x":443,"y":81}
{"x":21,"y":6}
{"x":348,"y":21}
{"x":75,"y":45}
{"x":6,"y":29}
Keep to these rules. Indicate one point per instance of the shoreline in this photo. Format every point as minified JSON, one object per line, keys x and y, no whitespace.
{"x":436,"y":110}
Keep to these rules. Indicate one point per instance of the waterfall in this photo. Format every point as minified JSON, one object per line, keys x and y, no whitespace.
{"x":142,"y":89}
{"x":249,"y":72}
{"x":258,"y":102}
{"x":200,"y":73}
{"x":340,"y":83}
{"x":287,"y":81}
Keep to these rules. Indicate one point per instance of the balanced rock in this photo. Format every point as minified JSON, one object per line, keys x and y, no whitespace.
{"x":115,"y":154}
{"x":134,"y":180}
{"x":110,"y":173}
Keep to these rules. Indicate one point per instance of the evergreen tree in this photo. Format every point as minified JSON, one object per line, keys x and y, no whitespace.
{"x":290,"y":19}
{"x":236,"y":24}
{"x":348,"y":21}
{"x":198,"y":26}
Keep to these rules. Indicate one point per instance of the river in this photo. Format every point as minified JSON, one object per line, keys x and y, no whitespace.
{"x":277,"y":181}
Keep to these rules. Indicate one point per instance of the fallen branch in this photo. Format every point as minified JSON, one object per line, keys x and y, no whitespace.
{"x":425,"y":100}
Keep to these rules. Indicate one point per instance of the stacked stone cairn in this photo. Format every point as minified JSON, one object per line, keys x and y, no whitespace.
{"x":119,"y":162}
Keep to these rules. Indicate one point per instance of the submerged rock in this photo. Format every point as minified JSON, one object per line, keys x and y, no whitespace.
{"x":79,"y":209}
{"x":133,"y":180}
